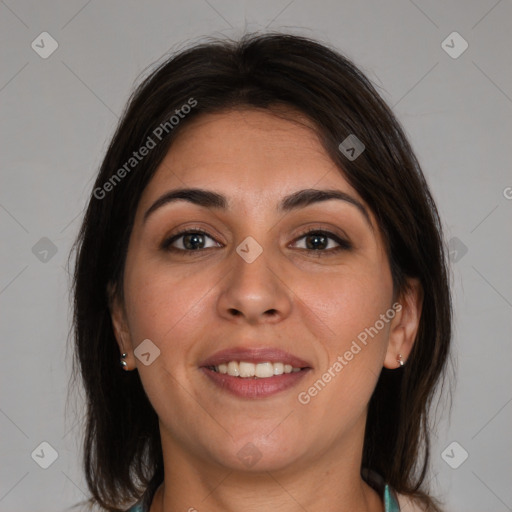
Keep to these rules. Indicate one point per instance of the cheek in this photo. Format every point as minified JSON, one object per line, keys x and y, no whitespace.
{"x":166,"y":306}
{"x":348,"y":308}
{"x":348,"y":302}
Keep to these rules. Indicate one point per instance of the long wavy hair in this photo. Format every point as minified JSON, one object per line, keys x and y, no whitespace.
{"x":123,"y":459}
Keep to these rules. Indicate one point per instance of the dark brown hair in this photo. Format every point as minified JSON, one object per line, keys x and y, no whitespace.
{"x":122,"y":452}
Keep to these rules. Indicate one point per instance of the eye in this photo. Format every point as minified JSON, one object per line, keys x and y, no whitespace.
{"x":187,"y":241}
{"x":318,"y":240}
{"x":192,"y":240}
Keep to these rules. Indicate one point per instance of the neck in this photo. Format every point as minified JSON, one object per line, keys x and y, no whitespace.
{"x":329,"y":483}
{"x":362,"y":498}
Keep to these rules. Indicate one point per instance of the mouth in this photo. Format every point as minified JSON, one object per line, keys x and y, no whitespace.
{"x":254,"y":373}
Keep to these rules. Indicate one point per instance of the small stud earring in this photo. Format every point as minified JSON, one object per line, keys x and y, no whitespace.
{"x":399,"y":360}
{"x":124,"y":364}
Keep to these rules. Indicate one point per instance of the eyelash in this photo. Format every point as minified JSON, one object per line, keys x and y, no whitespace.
{"x":344,"y":245}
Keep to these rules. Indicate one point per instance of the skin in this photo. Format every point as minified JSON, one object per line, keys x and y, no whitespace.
{"x":191,"y":306}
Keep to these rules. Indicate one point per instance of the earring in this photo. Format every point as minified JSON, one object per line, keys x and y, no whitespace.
{"x":124,"y":364}
{"x":399,"y":360}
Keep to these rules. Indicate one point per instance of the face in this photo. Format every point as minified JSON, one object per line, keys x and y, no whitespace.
{"x":255,"y":281}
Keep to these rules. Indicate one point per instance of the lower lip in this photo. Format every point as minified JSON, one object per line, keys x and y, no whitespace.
{"x":255,"y":388}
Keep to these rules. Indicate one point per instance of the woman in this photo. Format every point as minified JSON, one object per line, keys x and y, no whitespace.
{"x":262,"y":255}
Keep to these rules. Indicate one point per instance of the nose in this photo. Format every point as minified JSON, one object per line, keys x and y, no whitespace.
{"x":254,"y":292}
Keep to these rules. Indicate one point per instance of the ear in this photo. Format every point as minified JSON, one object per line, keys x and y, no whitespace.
{"x":404,"y":325}
{"x":120,"y":324}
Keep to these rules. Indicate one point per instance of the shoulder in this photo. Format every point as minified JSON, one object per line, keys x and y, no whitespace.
{"x":407,"y":504}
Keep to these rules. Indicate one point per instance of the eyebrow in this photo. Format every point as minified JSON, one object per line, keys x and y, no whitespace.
{"x":299,"y":199}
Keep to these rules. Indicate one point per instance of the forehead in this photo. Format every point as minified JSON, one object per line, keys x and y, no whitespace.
{"x":251,"y":152}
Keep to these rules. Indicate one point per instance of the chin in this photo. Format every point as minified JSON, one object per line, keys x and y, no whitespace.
{"x":258,"y":453}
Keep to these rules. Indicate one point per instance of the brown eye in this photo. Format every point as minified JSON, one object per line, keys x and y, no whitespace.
{"x":190,"y":241}
{"x":319,"y":241}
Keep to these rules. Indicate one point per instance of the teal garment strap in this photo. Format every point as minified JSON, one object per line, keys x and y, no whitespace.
{"x":136,"y":508}
{"x":390,"y":503}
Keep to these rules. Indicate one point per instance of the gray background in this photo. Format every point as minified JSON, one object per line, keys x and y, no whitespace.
{"x":58,"y":113}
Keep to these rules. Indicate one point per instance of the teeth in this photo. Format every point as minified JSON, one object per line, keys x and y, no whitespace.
{"x":246,"y":370}
{"x":233,"y":369}
{"x":263,"y":370}
{"x":278,"y":368}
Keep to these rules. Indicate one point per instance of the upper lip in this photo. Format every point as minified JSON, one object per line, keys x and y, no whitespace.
{"x":254,"y":355}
